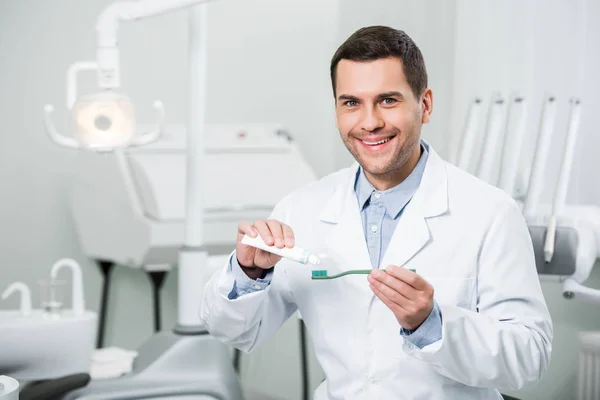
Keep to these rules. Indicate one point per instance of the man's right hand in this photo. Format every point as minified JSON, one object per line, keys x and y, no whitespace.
{"x":254,"y":261}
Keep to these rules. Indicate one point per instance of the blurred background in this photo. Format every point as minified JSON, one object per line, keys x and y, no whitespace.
{"x":268,"y":61}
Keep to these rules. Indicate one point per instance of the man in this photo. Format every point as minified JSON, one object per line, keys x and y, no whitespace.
{"x":469,"y":321}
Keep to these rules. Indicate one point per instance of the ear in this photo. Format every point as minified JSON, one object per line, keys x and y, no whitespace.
{"x":426,"y":105}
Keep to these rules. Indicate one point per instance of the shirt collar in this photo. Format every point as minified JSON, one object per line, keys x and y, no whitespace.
{"x":397,"y":197}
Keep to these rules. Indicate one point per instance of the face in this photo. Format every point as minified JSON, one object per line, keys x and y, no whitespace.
{"x":379,"y":118}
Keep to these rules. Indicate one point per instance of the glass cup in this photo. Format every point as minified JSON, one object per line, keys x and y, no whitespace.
{"x":52,"y":296}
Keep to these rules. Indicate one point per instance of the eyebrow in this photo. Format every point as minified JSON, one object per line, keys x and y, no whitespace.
{"x":347,"y":97}
{"x":380,"y":96}
{"x":390,"y":94}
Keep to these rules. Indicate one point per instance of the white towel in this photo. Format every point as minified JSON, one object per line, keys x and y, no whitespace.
{"x":111,"y":362}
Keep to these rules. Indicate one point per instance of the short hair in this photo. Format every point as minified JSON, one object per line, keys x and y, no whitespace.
{"x":377,"y":42}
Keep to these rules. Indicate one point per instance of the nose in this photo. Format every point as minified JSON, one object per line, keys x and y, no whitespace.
{"x":372,"y":121}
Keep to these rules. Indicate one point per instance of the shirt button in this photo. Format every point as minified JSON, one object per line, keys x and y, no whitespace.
{"x":377,"y":195}
{"x":374,"y":228}
{"x":256,"y":286}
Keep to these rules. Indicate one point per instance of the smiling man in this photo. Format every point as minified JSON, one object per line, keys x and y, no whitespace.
{"x":453,"y":307}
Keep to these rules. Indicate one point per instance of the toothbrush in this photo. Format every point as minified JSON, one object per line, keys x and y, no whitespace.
{"x":322,"y":274}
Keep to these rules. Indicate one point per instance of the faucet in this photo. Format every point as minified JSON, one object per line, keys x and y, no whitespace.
{"x":77,"y":282}
{"x":25,"y":296}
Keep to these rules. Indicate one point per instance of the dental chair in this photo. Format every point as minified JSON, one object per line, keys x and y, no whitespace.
{"x":141,"y":193}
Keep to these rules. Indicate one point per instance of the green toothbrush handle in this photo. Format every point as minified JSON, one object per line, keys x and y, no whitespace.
{"x":350,"y":272}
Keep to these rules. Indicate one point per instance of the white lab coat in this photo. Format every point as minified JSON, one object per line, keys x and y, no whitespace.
{"x":467,"y":238}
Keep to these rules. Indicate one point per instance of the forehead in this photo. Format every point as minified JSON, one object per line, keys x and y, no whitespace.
{"x":370,"y":77}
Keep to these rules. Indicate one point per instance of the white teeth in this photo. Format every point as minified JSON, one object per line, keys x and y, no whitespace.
{"x":376,"y":143}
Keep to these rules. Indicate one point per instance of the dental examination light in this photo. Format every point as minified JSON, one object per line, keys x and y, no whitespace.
{"x":544,"y":140}
{"x":492,"y":140}
{"x":106,"y":121}
{"x":467,"y":148}
{"x":185,"y":361}
{"x":513,"y":144}
{"x":562,"y":185}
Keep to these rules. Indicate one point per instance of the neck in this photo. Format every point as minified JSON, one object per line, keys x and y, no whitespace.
{"x":395,"y":178}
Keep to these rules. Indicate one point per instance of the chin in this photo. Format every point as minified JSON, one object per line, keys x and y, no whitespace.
{"x":377,"y":170}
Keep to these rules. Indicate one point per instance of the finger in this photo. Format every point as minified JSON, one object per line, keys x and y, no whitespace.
{"x":288,"y":236}
{"x":277,"y":232}
{"x":407,"y":276}
{"x":394,"y":307}
{"x":390,"y":292}
{"x":395,"y":284}
{"x":263,"y":230}
{"x":245,"y":228}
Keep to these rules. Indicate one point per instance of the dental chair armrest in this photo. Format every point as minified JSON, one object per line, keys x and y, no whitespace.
{"x":54,"y":388}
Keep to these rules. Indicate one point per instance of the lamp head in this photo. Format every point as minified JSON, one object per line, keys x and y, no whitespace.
{"x":103,"y":121}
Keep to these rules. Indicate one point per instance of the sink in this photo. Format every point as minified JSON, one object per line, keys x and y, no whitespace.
{"x":49,"y":342}
{"x":38,"y":346}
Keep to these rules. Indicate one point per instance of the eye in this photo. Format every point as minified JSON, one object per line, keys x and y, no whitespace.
{"x":389,"y":101}
{"x":351,"y":103}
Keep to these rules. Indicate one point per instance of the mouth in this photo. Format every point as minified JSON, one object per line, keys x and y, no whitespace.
{"x":376,"y":144}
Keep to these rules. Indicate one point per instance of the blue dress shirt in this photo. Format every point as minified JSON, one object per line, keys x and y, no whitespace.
{"x":380,"y":212}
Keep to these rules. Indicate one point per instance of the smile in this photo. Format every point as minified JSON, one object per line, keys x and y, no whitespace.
{"x":377,"y":143}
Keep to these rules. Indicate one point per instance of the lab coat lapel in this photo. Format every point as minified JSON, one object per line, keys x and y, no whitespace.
{"x":412,"y":232}
{"x":346,"y":239}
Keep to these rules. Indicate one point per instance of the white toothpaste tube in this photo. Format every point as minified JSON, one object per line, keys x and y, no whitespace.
{"x":296,"y":253}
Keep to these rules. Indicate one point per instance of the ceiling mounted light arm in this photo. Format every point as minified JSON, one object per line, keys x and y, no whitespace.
{"x":107,"y":27}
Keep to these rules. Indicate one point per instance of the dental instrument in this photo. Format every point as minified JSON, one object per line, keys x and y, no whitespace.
{"x":467,"y":149}
{"x":25,"y":296}
{"x":565,"y":237}
{"x":492,"y":140}
{"x":562,"y":185}
{"x":574,"y":228}
{"x":295,"y":253}
{"x":544,"y":139}
{"x":513,"y":145}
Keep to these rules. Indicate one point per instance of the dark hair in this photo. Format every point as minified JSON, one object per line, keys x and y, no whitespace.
{"x":376,"y":42}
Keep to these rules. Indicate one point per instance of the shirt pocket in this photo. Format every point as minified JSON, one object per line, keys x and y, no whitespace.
{"x":455,"y":291}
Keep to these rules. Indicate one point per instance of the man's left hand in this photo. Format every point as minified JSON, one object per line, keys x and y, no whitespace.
{"x":409,"y":296}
